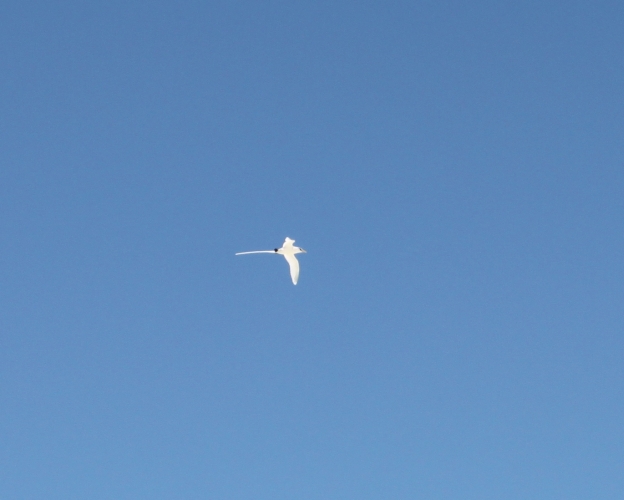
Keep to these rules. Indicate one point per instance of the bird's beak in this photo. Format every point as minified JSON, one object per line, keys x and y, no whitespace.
{"x":303,"y":251}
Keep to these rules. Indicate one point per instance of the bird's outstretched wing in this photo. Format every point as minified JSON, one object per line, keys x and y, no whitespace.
{"x":294,"y":267}
{"x":288,"y":242}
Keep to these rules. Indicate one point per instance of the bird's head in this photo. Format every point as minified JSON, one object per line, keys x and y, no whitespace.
{"x":301,"y":250}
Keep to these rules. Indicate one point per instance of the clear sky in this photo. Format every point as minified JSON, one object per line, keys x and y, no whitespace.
{"x":455,"y":171}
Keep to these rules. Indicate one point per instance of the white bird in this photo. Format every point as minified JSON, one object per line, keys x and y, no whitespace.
{"x":288,"y":251}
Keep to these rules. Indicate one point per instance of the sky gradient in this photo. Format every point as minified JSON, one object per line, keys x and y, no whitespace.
{"x":455,"y":172}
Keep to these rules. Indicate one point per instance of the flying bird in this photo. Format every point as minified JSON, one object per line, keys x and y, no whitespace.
{"x":288,"y":251}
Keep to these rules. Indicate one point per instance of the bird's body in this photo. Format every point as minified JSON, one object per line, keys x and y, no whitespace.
{"x":289,"y":251}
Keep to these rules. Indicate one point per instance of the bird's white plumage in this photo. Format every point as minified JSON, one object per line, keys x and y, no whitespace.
{"x":294,"y":267}
{"x":288,"y":250}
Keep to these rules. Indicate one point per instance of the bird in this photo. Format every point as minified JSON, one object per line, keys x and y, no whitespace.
{"x":288,"y":250}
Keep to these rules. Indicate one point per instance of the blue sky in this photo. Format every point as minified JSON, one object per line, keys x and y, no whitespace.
{"x":456,"y":173}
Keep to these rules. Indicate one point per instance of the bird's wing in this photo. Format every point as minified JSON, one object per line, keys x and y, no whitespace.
{"x":257,"y":251}
{"x":294,"y":267}
{"x":288,"y":243}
